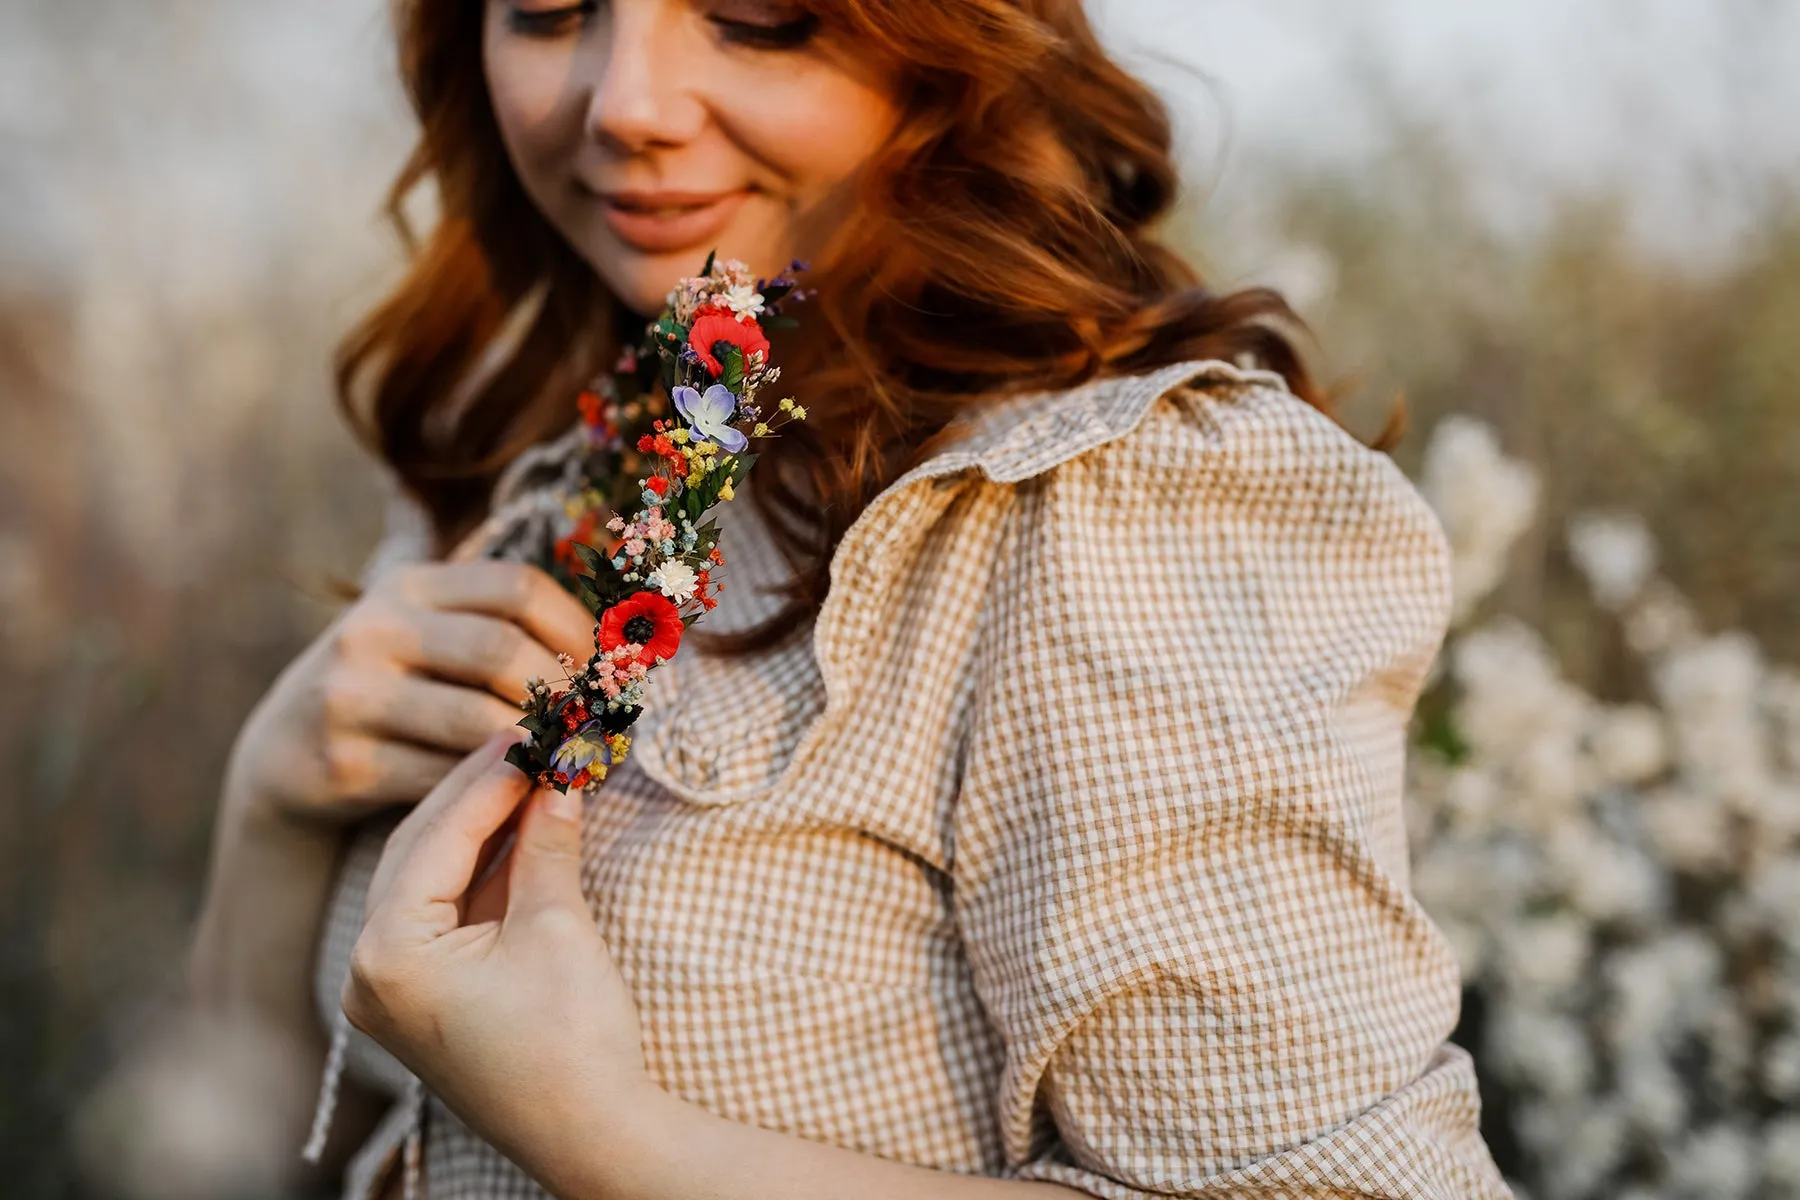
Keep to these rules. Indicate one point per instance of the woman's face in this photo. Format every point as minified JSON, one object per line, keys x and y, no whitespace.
{"x":650,"y":132}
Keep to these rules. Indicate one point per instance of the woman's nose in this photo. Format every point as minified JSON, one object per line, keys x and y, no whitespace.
{"x":641,"y":97}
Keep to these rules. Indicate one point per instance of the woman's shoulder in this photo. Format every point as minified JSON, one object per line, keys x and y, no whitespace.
{"x":1236,"y":520}
{"x":1205,"y":434}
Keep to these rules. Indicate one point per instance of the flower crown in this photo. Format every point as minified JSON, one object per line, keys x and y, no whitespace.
{"x":708,"y":355}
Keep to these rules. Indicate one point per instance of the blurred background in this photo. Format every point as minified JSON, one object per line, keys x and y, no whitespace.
{"x":1567,"y":232}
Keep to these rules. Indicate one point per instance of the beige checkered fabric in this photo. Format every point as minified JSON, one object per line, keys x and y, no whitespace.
{"x":1066,"y":845}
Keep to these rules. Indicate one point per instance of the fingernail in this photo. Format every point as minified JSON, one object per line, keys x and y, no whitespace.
{"x":564,"y":806}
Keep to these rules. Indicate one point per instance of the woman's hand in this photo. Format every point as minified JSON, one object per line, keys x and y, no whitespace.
{"x":427,"y":665}
{"x":482,"y":970}
{"x":480,"y":966}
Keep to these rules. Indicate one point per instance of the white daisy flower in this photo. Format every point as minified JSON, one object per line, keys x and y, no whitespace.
{"x":744,"y":301}
{"x":676,"y":580}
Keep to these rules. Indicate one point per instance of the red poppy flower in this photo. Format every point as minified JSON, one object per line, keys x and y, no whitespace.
{"x":648,"y":619}
{"x":714,"y":325}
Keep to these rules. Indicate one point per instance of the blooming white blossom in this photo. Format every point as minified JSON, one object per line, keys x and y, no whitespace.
{"x":1473,"y":799}
{"x":1773,"y":894}
{"x":1517,"y":712}
{"x":1484,"y":499}
{"x":1615,"y":552}
{"x":1719,"y":1163}
{"x":1603,"y":879}
{"x":1781,"y":700}
{"x":1621,"y":883}
{"x":1548,"y":1047}
{"x":1781,"y":1156}
{"x":1712,"y":689}
{"x":1722,"y":670}
{"x":1659,"y":621}
{"x":1546,"y":956}
{"x":1688,"y":829}
{"x":1781,"y":1069}
{"x":1653,"y":1095}
{"x":1775,"y":808}
{"x":1584,"y":1141}
{"x":674,"y":579}
{"x":744,"y":301}
{"x":1628,"y":744}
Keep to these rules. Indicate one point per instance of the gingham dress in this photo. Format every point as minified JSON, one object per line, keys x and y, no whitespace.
{"x":1066,"y":844}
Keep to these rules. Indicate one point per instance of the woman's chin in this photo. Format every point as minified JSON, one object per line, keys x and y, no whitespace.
{"x":646,"y":295}
{"x":642,"y":281}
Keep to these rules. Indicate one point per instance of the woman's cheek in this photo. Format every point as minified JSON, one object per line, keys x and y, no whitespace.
{"x":538,"y":112}
{"x":815,"y":130}
{"x":810,"y":144}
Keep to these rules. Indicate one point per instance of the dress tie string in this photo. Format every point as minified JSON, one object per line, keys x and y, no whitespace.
{"x":412,"y":1147}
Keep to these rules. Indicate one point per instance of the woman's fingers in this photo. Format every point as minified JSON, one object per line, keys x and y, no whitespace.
{"x":401,"y":842}
{"x":369,"y":699}
{"x":524,"y":596}
{"x":483,"y":651}
{"x":433,"y":873}
{"x":485,"y":902}
{"x":364,"y":772}
{"x":546,"y":861}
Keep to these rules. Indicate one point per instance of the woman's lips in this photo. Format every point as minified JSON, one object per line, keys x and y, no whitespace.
{"x":662,"y":222}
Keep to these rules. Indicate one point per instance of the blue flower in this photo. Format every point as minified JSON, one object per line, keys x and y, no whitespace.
{"x":710,"y":415}
{"x":583,"y":749}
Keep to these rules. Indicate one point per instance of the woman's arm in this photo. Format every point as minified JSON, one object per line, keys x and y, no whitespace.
{"x":427,"y":664}
{"x":676,"y":1149}
{"x":252,"y":957}
{"x":1180,"y":868}
{"x":496,"y":988}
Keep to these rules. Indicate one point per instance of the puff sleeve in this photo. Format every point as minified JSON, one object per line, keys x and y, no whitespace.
{"x":1179,"y":858}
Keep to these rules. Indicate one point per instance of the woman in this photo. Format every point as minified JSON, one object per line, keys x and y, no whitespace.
{"x":1031,"y":821}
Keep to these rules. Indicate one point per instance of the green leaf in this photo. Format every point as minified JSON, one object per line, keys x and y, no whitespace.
{"x":588,"y":594}
{"x":591,"y":558}
{"x":779,"y":323}
{"x":701,"y":498}
{"x":733,"y":362}
{"x":611,"y":589}
{"x":526,"y":760}
{"x":708,"y":268}
{"x":667,"y":326}
{"x":775,"y":291}
{"x":1438,"y":732}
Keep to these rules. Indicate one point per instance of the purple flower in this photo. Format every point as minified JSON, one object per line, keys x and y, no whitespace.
{"x":710,"y":415}
{"x":583,"y":749}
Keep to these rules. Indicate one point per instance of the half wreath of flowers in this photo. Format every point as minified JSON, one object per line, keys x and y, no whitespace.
{"x":649,"y":575}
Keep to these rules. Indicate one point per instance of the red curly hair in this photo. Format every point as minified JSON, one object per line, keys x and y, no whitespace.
{"x":1004,"y":246}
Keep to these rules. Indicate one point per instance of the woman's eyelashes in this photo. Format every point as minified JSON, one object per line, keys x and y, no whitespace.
{"x":559,"y":21}
{"x":764,"y":25}
{"x":760,"y":24}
